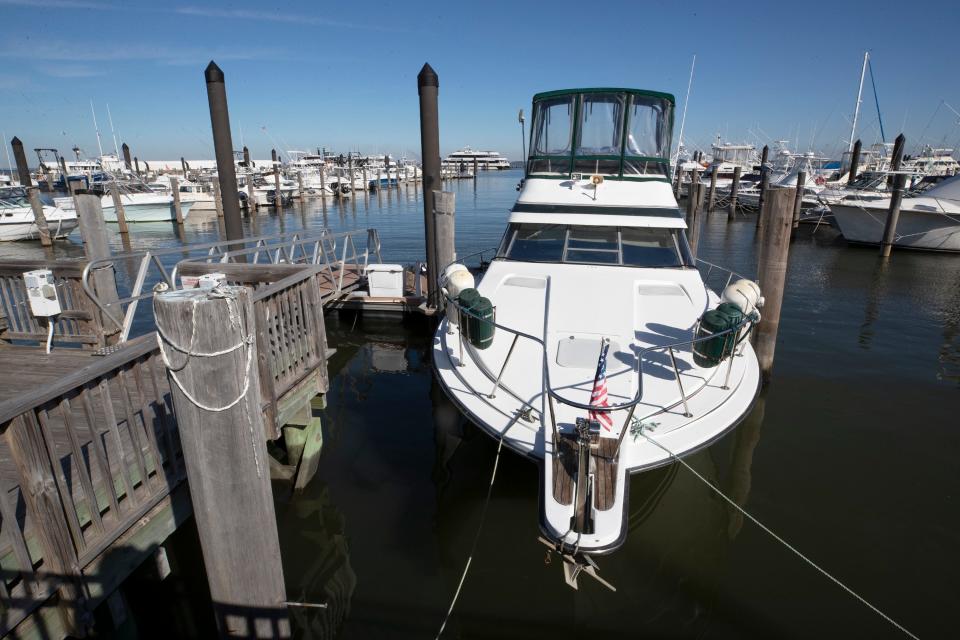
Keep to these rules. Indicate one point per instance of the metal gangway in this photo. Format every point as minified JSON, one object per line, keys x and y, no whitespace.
{"x":341,"y":257}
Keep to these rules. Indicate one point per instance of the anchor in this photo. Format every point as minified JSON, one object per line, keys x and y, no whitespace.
{"x":576,"y":564}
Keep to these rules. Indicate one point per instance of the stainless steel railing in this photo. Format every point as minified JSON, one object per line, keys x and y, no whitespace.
{"x":335,"y":253}
{"x":630,"y":405}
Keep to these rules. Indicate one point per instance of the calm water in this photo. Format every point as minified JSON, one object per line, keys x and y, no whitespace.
{"x":851,"y":455}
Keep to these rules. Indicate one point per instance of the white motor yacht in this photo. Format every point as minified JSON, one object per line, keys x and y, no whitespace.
{"x":140,"y":204}
{"x":586,"y":345}
{"x":17,"y":221}
{"x":929,"y":220}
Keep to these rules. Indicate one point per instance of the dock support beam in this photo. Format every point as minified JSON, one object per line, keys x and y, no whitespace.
{"x":177,"y":208}
{"x":774,"y":255}
{"x":223,"y":150}
{"x":428,"y":87}
{"x":798,"y":198}
{"x":221,"y":424}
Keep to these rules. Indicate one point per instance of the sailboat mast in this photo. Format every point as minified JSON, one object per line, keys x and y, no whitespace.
{"x":856,"y":112}
{"x":6,"y":148}
{"x":116,"y":148}
{"x":96,"y":128}
{"x":683,"y":118}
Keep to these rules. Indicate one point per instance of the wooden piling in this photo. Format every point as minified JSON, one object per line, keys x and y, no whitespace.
{"x":428,"y":87}
{"x":218,"y":201}
{"x":444,"y":216}
{"x":127,"y":163}
{"x":366,"y":181}
{"x":764,"y":186}
{"x":96,"y":246}
{"x":43,"y":229}
{"x":23,"y":171}
{"x":798,"y":198}
{"x":854,"y":162}
{"x":323,"y":179}
{"x":896,"y":197}
{"x":177,"y":209}
{"x":221,"y":425}
{"x":774,"y":256}
{"x":694,"y":200}
{"x":713,"y":187}
{"x":277,"y":196}
{"x":136,"y":164}
{"x":676,"y":179}
{"x":734,"y":188}
{"x":300,"y":193}
{"x":118,"y":207}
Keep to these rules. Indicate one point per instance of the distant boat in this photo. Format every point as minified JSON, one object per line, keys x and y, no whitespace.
{"x":18,"y":223}
{"x":140,"y":204}
{"x":929,"y":220}
{"x":486,"y":160}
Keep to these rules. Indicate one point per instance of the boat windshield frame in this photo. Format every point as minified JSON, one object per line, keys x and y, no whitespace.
{"x":592,"y":245}
{"x":621,"y":165}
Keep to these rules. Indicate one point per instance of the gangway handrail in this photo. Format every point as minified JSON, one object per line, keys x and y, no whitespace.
{"x":748,"y":322}
{"x":285,"y":248}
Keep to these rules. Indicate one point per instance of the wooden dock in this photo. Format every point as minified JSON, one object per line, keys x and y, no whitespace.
{"x":91,"y":466}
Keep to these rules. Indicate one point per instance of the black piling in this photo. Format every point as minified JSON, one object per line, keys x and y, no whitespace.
{"x":20,"y":157}
{"x":854,"y":161}
{"x":223,"y":150}
{"x":428,"y":87}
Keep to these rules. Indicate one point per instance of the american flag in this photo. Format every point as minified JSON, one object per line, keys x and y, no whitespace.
{"x":598,"y":398}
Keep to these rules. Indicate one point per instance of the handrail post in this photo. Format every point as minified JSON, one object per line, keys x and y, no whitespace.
{"x":683,"y":395}
{"x":504,"y":367}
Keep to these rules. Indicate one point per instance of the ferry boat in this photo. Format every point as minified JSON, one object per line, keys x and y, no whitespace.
{"x":592,"y":343}
{"x":486,"y":160}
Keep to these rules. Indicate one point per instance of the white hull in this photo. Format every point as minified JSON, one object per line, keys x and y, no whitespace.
{"x":930,"y":229}
{"x":19,"y":224}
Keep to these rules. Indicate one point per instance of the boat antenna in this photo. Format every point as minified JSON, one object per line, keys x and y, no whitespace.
{"x":96,"y":128}
{"x":116,"y":148}
{"x":876,"y":100}
{"x":523,"y":136}
{"x":683,"y":118}
{"x":6,"y":147}
{"x":856,"y":112}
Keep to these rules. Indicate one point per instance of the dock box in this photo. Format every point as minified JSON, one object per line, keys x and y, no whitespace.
{"x":385,"y":280}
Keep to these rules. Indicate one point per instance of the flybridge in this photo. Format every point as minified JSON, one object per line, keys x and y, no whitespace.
{"x":617,"y":133}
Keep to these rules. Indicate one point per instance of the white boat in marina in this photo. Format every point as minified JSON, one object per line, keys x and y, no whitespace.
{"x":17,"y":221}
{"x":586,"y":344}
{"x":140,"y":204}
{"x":929,"y":220}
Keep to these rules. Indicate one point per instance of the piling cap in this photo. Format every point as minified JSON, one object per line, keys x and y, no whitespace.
{"x":427,"y":77}
{"x":213,"y":73}
{"x":16,"y":142}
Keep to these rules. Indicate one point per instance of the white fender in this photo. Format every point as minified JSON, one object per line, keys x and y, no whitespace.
{"x":455,"y":281}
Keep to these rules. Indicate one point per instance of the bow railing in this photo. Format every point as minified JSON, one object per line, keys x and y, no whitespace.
{"x":741,"y":330}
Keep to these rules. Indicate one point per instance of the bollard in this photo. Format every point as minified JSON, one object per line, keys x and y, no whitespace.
{"x":734,"y":188}
{"x":854,"y":161}
{"x":43,"y":230}
{"x":118,"y":207}
{"x":897,"y":158}
{"x":428,"y":86}
{"x":175,"y":191}
{"x":22,"y":169}
{"x":798,"y":199}
{"x":713,"y":187}
{"x":772,"y":271}
{"x":444,"y":217}
{"x":277,"y":196}
{"x":96,"y":246}
{"x":226,"y":189}
{"x":208,"y":346}
{"x":218,"y":201}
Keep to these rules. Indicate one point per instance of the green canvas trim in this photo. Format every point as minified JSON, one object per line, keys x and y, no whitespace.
{"x":638,"y":92}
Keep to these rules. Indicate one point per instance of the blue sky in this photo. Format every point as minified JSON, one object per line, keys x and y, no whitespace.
{"x":343,"y":75}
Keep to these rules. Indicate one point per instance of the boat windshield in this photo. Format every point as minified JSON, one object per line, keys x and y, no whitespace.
{"x":622,"y":246}
{"x":14,"y":197}
{"x":610,"y":132}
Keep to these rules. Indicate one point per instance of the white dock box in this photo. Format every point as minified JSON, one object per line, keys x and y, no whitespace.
{"x":385,"y":280}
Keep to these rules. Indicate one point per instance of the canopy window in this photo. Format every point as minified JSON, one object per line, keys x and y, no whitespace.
{"x":553,"y":134}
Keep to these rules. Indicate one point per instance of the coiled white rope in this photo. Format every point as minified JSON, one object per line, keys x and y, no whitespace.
{"x":800,"y":555}
{"x":246,"y":340}
{"x":476,"y":538}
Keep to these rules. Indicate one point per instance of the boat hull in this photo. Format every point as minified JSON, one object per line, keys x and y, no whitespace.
{"x":916,"y":229}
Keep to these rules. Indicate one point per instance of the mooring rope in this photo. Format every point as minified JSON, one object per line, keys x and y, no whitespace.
{"x":779,"y":539}
{"x":476,"y":538}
